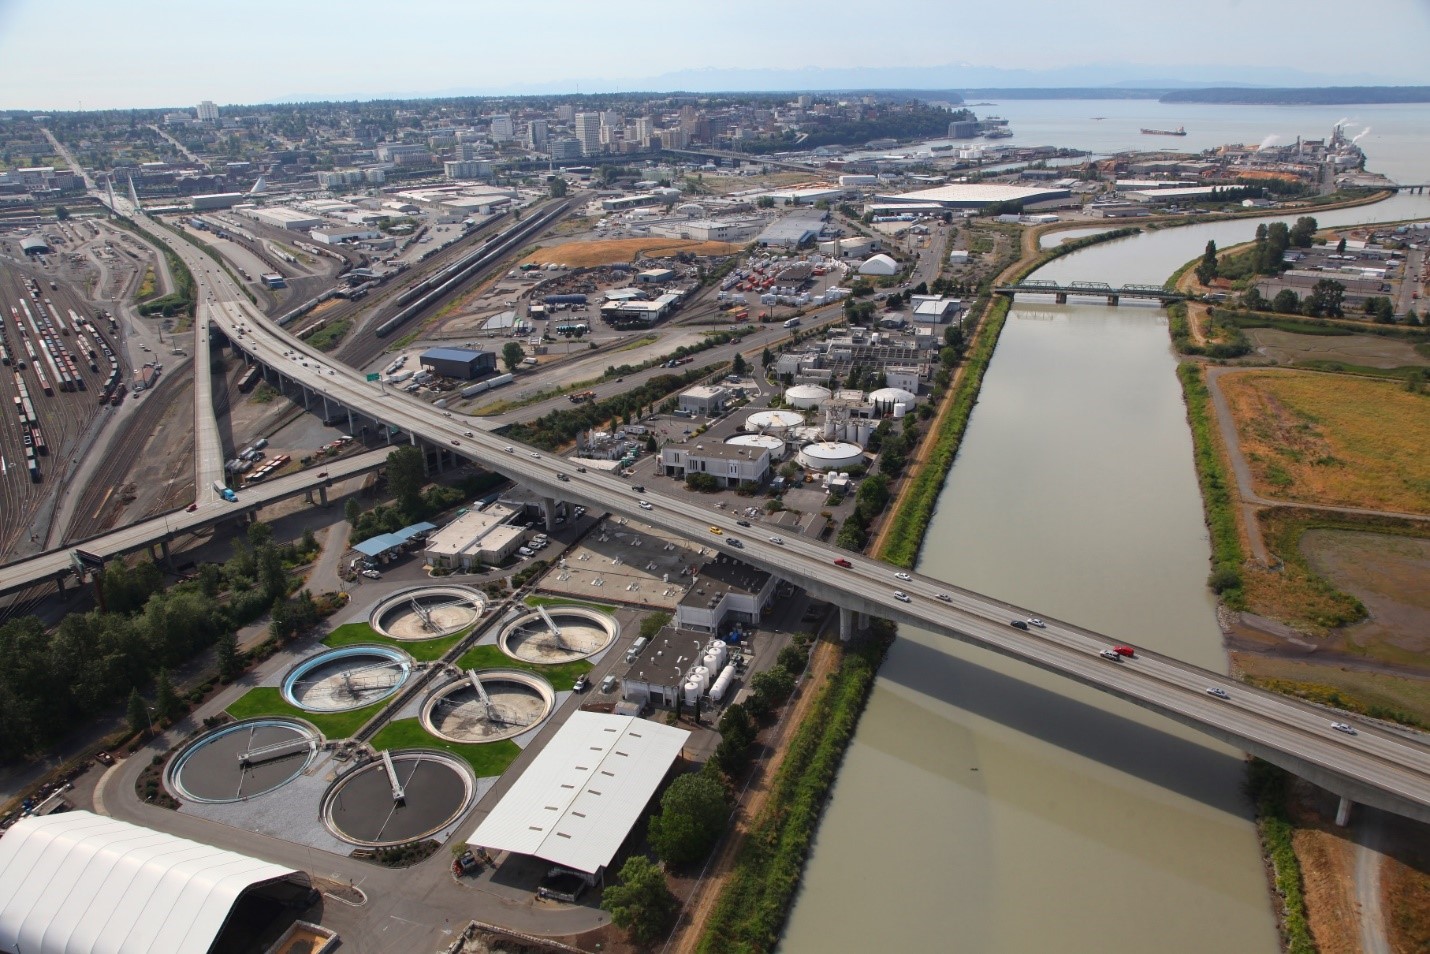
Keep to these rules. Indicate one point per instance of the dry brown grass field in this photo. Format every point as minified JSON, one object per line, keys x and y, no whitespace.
{"x":1333,"y":439}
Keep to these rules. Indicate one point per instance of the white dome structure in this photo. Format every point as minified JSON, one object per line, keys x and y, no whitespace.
{"x":888,"y":397}
{"x":879,"y":265}
{"x":775,"y":445}
{"x":773,"y":421}
{"x":807,"y":395}
{"x":831,"y":455}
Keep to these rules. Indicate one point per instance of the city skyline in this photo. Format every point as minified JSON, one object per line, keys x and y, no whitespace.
{"x":285,"y":53}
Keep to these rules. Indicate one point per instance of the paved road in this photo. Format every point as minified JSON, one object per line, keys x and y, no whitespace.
{"x":1385,"y":768}
{"x":1251,"y":501}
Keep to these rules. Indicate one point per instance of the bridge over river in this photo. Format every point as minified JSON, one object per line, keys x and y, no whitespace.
{"x":1113,"y":294}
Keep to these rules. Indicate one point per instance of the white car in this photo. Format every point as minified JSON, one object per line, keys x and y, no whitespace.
{"x":1343,"y":727}
{"x":509,"y":449}
{"x":372,"y":574}
{"x":778,"y":541}
{"x":534,"y":455}
{"x":945,"y":597}
{"x":645,"y":505}
{"x":1219,"y":692}
{"x":902,"y":576}
{"x":1034,"y":621}
{"x":902,"y":597}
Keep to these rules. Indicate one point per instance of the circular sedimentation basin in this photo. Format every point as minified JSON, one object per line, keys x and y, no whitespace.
{"x":581,"y":632}
{"x":242,"y":760}
{"x":348,"y":677}
{"x":360,"y":807}
{"x":427,"y":612}
{"x":518,"y":701}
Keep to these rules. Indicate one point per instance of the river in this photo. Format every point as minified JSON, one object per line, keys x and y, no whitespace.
{"x":986,"y":807}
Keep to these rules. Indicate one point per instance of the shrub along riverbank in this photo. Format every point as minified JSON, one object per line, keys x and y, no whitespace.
{"x":752,"y":909}
{"x":1227,"y":556}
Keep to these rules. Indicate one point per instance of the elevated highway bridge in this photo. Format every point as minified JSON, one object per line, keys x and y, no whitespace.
{"x":1372,"y":764}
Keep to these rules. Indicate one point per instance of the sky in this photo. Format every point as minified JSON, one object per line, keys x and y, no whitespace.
{"x":85,"y":54}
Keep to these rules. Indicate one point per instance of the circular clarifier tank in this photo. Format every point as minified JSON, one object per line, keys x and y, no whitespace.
{"x":427,"y":612}
{"x":558,"y":634}
{"x":414,"y":795}
{"x":349,"y":677}
{"x":508,"y":703}
{"x":242,"y":760}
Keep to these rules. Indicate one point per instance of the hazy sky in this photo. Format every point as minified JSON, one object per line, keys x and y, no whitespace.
{"x":88,"y":54}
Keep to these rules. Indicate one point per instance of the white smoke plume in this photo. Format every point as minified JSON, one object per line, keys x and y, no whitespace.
{"x":1357,"y":137}
{"x":1268,"y":142}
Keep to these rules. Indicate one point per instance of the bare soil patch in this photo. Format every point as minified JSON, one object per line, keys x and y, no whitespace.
{"x":1333,"y":440}
{"x":615,"y":251}
{"x":1371,"y":351}
{"x":1391,"y":576}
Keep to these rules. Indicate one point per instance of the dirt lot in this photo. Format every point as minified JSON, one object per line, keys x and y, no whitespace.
{"x":1333,"y":440}
{"x":1369,"y":351}
{"x":614,"y":251}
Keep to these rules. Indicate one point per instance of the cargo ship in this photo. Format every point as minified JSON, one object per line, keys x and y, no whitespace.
{"x":1179,"y":131}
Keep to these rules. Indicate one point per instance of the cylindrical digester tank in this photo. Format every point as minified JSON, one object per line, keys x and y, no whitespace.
{"x":727,"y":676}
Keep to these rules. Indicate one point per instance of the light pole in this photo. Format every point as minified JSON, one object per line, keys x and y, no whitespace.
{"x":149,"y":714}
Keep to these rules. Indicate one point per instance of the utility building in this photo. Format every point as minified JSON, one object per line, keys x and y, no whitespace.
{"x":459,"y":363}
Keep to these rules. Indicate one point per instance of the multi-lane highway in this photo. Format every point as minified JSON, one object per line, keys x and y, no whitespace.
{"x":1378,"y":766}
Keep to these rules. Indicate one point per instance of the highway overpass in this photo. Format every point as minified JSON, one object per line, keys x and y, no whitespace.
{"x":1384,"y":767}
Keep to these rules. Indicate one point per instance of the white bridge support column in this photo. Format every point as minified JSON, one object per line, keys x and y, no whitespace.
{"x":847,"y":619}
{"x":1343,"y":812}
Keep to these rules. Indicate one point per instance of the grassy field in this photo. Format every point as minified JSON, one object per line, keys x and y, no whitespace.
{"x":422,"y":651}
{"x":616,"y":251}
{"x":487,"y":759}
{"x":267,"y":701}
{"x":562,"y":676}
{"x":565,"y":601}
{"x":146,"y":287}
{"x":1345,"y":441}
{"x":327,"y":337}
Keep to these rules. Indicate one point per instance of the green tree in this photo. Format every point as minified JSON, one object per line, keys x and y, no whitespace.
{"x":1253,"y":300}
{"x":773,"y":686}
{"x":61,"y":213}
{"x":1341,"y":246}
{"x":558,"y":187}
{"x":512,"y":355}
{"x":1325,"y":299}
{"x":226,"y":656}
{"x":166,"y":700}
{"x":650,"y":445}
{"x":1286,"y":302}
{"x":405,"y":478}
{"x":1302,"y":232}
{"x":693,"y":812}
{"x":641,"y":902}
{"x":352,"y":511}
{"x":1207,"y":268}
{"x":767,"y":358}
{"x":765,"y":202}
{"x":137,"y":714}
{"x":738,"y":366}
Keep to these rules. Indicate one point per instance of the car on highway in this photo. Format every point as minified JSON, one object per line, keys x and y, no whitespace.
{"x":1018,"y":623}
{"x":742,"y":523}
{"x":736,"y":544}
{"x":456,"y":443}
{"x":1219,"y":692}
{"x":1343,"y":727}
{"x":509,"y":449}
{"x":580,"y":470}
{"x":646,"y":505}
{"x":840,"y":561}
{"x":945,"y":597}
{"x":717,"y":531}
{"x":469,"y":433}
{"x":637,"y":489}
{"x":1126,"y":651}
{"x":1034,"y":621}
{"x":563,"y":478}
{"x":1109,"y":654}
{"x":534,"y":455}
{"x":322,"y":473}
{"x":192,"y":507}
{"x":902,"y":576}
{"x":902,"y":597}
{"x":778,"y":541}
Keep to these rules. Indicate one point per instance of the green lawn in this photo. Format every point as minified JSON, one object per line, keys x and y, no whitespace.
{"x":486,"y":758}
{"x":268,"y":701}
{"x":423,"y":651}
{"x":564,"y":601}
{"x":562,"y":677}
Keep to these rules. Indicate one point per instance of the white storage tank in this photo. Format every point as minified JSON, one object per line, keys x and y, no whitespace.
{"x":773,"y":422}
{"x":692,"y":692}
{"x":722,"y":685}
{"x":710,"y":662}
{"x":831,"y":455}
{"x":701,"y":676}
{"x":807,"y":395}
{"x":892,"y":396}
{"x":718,"y":650}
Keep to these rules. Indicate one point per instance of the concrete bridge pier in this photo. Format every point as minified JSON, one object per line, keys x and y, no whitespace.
{"x":351,"y":430}
{"x":1343,"y":812}
{"x":548,"y":512}
{"x":323,"y":495}
{"x":1112,"y":300}
{"x":848,"y":621}
{"x":307,"y":396}
{"x":60,"y":580}
{"x":327,"y":411}
{"x":1061,"y":298}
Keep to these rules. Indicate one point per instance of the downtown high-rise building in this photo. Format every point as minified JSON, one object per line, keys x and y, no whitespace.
{"x":208,"y":111}
{"x":588,"y":132}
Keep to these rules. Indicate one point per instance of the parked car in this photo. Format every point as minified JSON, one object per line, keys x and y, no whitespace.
{"x":581,"y":684}
{"x":372,"y":574}
{"x":609,"y":684}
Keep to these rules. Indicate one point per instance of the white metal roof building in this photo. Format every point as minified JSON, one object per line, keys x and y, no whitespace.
{"x":577,"y":801}
{"x":79,"y":882}
{"x":973,"y":195}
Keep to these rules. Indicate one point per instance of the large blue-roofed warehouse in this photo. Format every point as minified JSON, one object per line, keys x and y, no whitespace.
{"x":459,"y":362}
